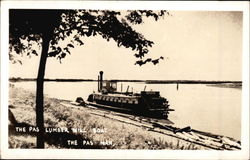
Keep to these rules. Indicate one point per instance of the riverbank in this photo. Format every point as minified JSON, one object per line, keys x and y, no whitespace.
{"x":227,"y":85}
{"x":75,"y":127}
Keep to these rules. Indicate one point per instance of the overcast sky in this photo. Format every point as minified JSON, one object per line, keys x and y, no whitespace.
{"x":196,"y":45}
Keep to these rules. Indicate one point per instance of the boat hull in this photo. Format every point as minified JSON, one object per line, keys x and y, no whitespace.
{"x":152,"y":106}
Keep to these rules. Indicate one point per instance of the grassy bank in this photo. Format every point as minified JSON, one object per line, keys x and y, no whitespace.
{"x":94,"y":131}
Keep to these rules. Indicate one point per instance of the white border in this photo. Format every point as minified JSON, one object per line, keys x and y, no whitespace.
{"x":106,"y":154}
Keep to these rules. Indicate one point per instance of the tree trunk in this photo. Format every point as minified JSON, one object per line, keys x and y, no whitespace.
{"x":39,"y":91}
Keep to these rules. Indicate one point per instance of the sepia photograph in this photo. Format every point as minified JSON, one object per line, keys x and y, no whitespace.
{"x":89,"y":77}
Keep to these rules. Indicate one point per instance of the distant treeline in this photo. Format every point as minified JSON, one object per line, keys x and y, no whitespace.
{"x":226,"y":85}
{"x":144,"y":81}
{"x":190,"y":82}
{"x":178,"y":81}
{"x":56,"y":80}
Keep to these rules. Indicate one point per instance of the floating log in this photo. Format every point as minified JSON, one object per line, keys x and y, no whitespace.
{"x":185,"y":129}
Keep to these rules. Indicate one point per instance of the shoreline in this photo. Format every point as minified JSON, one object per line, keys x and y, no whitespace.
{"x":228,"y":85}
{"x":108,"y":134}
{"x":123,"y":136}
{"x":206,"y":82}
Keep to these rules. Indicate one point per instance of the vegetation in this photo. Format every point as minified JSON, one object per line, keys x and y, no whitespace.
{"x":57,"y":115}
{"x":47,"y":28}
{"x":227,"y":85}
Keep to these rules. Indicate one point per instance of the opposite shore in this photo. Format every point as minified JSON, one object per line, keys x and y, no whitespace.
{"x":228,"y":83}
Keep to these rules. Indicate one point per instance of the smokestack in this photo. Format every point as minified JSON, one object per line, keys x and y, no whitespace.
{"x":101,"y":74}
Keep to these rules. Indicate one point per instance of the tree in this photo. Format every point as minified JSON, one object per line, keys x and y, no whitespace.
{"x":48,"y":27}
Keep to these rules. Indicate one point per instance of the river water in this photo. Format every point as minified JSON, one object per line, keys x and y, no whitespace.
{"x":212,"y":109}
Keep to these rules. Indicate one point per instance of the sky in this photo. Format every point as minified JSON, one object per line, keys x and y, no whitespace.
{"x":196,"y":45}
